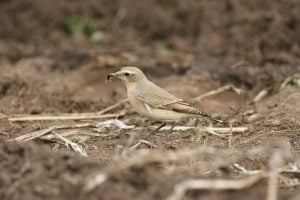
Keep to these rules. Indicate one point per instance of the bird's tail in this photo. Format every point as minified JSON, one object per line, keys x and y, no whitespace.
{"x":197,"y":112}
{"x":186,"y":108}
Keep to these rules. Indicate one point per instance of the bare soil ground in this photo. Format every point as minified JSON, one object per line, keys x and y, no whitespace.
{"x":187,"y":47}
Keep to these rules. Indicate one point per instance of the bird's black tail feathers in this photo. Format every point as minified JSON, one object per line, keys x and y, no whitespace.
{"x":197,"y":112}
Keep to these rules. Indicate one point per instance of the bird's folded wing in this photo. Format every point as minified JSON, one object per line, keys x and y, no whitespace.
{"x":168,"y":102}
{"x":180,"y":106}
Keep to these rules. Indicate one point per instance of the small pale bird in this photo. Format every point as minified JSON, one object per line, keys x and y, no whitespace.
{"x":149,"y":100}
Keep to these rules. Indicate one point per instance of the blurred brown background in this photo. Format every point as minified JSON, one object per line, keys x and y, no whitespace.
{"x":54,"y":58}
{"x":259,"y":32}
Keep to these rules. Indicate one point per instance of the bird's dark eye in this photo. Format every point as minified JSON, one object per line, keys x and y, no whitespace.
{"x":126,"y":74}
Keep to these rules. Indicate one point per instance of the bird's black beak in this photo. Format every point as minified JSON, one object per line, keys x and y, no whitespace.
{"x":112,"y":75}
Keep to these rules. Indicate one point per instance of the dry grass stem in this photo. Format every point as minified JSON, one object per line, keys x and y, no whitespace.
{"x":211,"y":129}
{"x":272,"y":185}
{"x":213,"y":184}
{"x":287,"y":181}
{"x":230,"y":136}
{"x":112,"y":106}
{"x":236,"y":167}
{"x":288,"y":80}
{"x":77,"y":148}
{"x":69,"y":133}
{"x":71,"y":116}
{"x":143,"y":142}
{"x":262,"y":94}
{"x":215,"y":133}
{"x":218,"y":91}
{"x":113,"y":122}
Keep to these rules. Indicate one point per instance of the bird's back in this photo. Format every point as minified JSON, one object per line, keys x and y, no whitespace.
{"x":155,"y":95}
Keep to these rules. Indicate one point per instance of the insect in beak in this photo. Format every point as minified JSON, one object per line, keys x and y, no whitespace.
{"x":110,"y":76}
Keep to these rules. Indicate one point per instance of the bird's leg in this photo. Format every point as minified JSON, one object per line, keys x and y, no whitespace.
{"x":154,"y":131}
{"x":159,"y":127}
{"x":173,"y":124}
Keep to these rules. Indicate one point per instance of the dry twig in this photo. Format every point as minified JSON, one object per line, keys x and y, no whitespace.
{"x":77,"y":148}
{"x":262,"y":94}
{"x":244,"y":171}
{"x":289,"y":182}
{"x":40,"y":133}
{"x":272,"y":185}
{"x":212,"y":132}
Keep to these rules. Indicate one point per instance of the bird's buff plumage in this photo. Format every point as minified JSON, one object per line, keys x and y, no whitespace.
{"x":151,"y":101}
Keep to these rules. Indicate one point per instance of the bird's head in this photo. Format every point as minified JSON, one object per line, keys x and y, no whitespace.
{"x":129,"y":75}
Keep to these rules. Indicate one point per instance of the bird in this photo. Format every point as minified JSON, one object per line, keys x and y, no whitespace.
{"x":150,"y":100}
